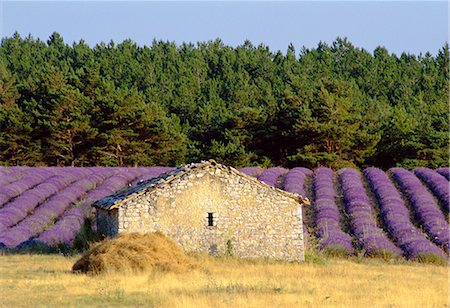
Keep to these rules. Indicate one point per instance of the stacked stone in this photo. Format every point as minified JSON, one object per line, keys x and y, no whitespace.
{"x":212,"y":208}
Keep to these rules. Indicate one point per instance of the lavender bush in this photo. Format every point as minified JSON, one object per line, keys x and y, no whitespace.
{"x":397,"y":219}
{"x":59,"y":213}
{"x":370,"y":237}
{"x":20,"y":207}
{"x":272,"y":175}
{"x":65,"y":229}
{"x":150,"y":172}
{"x":427,"y":210}
{"x":9,"y":175}
{"x":252,"y":171}
{"x":294,"y":182}
{"x":438,"y":184}
{"x":304,"y":170}
{"x":16,"y":188}
{"x":444,"y":171}
{"x":46,"y":214}
{"x":331,"y":237}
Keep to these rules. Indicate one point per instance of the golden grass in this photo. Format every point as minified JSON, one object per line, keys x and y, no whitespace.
{"x":46,"y":280}
{"x":132,"y":253}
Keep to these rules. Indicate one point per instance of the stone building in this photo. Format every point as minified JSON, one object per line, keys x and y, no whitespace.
{"x":208,"y":207}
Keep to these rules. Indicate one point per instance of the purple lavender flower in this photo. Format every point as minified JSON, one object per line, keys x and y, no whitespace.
{"x":304,"y":170}
{"x":370,"y":237}
{"x":67,"y":227}
{"x":331,"y":237}
{"x":46,"y":214}
{"x":438,"y":184}
{"x":252,"y":171}
{"x":272,"y":176}
{"x":444,"y":171}
{"x":9,"y":175}
{"x":149,"y":173}
{"x":427,"y":210}
{"x":20,"y":207}
{"x":30,"y":180}
{"x":396,"y":217}
{"x":294,"y":182}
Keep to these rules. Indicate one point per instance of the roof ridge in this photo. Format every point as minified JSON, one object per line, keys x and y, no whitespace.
{"x":122,"y":196}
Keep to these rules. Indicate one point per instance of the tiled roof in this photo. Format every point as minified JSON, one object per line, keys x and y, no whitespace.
{"x":129,"y":193}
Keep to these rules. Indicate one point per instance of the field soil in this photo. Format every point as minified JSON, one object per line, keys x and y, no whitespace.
{"x":47,"y":280}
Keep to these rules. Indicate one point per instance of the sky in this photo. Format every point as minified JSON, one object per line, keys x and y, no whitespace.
{"x":400,"y":26}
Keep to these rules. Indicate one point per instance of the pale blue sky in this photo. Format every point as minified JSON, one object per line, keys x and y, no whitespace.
{"x":413,"y":27}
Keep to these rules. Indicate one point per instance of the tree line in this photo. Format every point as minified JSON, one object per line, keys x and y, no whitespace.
{"x":165,"y":104}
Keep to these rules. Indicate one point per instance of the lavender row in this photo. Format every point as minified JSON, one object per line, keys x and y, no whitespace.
{"x":271,"y":176}
{"x":370,"y":237}
{"x":328,"y":229}
{"x":9,"y":175}
{"x":150,"y":172}
{"x":294,"y":182}
{"x":427,"y":210}
{"x":444,"y":171}
{"x":252,"y":171}
{"x":20,"y":207}
{"x":16,"y":188}
{"x":67,"y":227}
{"x":306,"y":171}
{"x":438,"y":184}
{"x":50,"y":211}
{"x":397,"y":219}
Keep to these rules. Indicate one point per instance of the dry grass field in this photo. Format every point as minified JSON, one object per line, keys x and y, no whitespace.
{"x":46,"y":280}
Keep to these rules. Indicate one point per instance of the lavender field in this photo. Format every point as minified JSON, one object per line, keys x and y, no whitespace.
{"x":398,"y":213}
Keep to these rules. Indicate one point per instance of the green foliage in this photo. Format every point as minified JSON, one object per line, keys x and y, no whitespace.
{"x":335,"y":251}
{"x":85,"y":237}
{"x":339,"y":135}
{"x":125,"y":105}
{"x":430,"y":258}
{"x":229,"y":245}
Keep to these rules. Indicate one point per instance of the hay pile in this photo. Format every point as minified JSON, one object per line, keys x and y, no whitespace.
{"x":134,"y":252}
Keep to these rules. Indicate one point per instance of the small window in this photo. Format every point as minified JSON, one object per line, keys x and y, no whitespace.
{"x":210,"y":220}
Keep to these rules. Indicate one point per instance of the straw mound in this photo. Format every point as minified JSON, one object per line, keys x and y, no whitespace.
{"x":134,"y":252}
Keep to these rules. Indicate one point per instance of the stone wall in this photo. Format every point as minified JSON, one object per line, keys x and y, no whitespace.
{"x":249,"y":220}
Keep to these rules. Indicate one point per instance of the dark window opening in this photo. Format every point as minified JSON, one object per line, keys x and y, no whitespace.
{"x":210,"y":220}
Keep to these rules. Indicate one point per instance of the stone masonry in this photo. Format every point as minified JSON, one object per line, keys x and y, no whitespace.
{"x":210,"y":208}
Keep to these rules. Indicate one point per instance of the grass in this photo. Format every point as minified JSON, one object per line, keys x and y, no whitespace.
{"x":46,"y":280}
